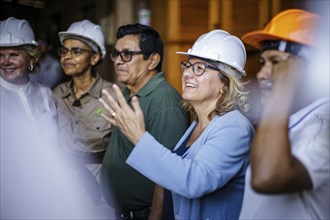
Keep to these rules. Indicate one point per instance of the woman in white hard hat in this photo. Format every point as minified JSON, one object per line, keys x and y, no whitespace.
{"x":28,"y":135}
{"x":206,"y":176}
{"x":18,"y":57}
{"x":82,"y":129}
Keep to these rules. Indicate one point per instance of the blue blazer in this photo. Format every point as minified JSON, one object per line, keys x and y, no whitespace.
{"x":207,"y":182}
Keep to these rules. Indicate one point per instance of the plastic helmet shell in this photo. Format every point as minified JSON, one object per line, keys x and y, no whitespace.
{"x":16,"y":32}
{"x":86,"y":31}
{"x":293,"y":25}
{"x":220,"y":46}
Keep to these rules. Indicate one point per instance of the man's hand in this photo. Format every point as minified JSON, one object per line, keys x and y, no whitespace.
{"x":288,"y":75}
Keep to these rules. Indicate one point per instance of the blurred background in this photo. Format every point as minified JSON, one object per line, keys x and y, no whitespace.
{"x":179,"y":22}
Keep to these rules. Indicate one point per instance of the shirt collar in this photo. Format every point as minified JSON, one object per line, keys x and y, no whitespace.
{"x":297,"y":117}
{"x":9,"y":85}
{"x":150,"y":86}
{"x":95,"y":89}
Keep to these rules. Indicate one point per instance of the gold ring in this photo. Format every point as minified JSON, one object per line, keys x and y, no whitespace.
{"x":113,"y":114}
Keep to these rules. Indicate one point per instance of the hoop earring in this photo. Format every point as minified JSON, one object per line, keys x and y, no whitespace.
{"x":30,"y":67}
{"x":221,"y":91}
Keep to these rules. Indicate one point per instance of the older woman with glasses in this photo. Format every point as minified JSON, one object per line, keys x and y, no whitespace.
{"x":82,"y":129}
{"x":208,"y":164}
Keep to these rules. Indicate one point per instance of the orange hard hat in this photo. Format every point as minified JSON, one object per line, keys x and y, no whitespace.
{"x":293,"y":25}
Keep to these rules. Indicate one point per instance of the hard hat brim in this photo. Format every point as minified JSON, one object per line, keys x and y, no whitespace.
{"x":195,"y":55}
{"x":254,"y":38}
{"x":63,"y":35}
{"x":18,"y":44}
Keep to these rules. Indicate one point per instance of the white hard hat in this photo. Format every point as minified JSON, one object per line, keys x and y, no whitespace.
{"x":87,"y":32}
{"x":16,"y":32}
{"x":220,"y":46}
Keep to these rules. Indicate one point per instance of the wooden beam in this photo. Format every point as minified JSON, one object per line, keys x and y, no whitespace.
{"x":226,"y":12}
{"x":173,"y":30}
{"x":214,"y":18}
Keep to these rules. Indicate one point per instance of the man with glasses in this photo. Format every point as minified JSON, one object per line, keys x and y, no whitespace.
{"x":137,"y":57}
{"x":83,"y":131}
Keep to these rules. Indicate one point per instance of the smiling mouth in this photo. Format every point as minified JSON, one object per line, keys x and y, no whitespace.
{"x":190,"y":85}
{"x":8,"y":70}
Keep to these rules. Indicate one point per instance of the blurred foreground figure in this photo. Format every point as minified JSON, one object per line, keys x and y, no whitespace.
{"x":35,"y":179}
{"x":289,"y":175}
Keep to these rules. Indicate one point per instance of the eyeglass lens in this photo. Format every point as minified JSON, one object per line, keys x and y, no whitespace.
{"x":74,"y":51}
{"x":125,"y":55}
{"x":198,"y":68}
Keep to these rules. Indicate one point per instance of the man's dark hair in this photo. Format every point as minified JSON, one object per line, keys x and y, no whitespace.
{"x":150,"y":41}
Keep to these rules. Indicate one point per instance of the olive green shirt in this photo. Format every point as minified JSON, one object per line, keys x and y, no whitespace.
{"x":82,"y":127}
{"x":166,"y":121}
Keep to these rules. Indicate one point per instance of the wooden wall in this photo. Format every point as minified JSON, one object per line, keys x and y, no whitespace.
{"x":186,"y":20}
{"x":179,"y":22}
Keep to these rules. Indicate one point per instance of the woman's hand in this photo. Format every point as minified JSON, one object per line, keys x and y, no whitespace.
{"x":129,"y":121}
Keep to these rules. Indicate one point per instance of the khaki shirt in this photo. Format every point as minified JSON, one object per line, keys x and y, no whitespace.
{"x":82,"y":127}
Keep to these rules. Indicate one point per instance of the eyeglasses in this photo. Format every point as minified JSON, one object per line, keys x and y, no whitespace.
{"x":74,"y":51}
{"x":125,"y":55}
{"x":198,"y":68}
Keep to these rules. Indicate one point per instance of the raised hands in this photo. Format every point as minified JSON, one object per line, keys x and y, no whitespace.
{"x":129,"y":121}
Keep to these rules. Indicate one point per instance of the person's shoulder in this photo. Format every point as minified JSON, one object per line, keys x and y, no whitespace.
{"x":106,"y":84}
{"x":61,"y":88}
{"x":43,"y":89}
{"x":165,"y":95}
{"x":39,"y":86}
{"x":166,"y":88}
{"x":236,"y":117}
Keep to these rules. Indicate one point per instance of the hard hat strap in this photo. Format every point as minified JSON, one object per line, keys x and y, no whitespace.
{"x":283,"y":46}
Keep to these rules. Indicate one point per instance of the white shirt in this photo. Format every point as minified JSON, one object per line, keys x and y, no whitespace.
{"x":35,"y":180}
{"x":309,"y":136}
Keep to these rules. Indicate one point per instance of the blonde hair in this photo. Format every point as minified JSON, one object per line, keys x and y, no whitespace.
{"x":35,"y":54}
{"x":233,"y":96}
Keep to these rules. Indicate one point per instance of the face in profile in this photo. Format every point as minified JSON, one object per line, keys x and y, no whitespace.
{"x":268,"y":59}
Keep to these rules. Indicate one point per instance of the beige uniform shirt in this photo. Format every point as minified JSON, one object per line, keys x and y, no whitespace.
{"x":82,"y":128}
